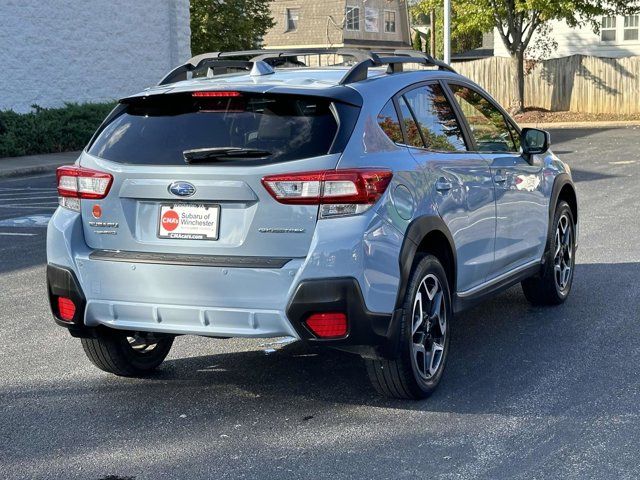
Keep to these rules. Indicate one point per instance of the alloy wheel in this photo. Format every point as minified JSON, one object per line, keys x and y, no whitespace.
{"x":429,"y":327}
{"x":142,"y":343}
{"x":563,"y":255}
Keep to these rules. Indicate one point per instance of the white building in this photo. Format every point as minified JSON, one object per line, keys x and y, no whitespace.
{"x":56,"y":51}
{"x":619,"y":37}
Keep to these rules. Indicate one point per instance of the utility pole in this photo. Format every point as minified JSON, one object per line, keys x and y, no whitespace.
{"x":432,"y":33}
{"x":447,"y":31}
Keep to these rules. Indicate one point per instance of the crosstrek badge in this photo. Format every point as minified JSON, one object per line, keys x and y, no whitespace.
{"x":189,"y":221}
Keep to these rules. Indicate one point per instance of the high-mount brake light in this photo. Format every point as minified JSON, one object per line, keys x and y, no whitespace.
{"x":222,"y":94}
{"x":338,"y":192}
{"x":75,"y":183}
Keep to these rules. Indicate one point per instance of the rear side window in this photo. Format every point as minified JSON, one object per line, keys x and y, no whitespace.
{"x":157,"y":130}
{"x":389,"y":122}
{"x":411,"y":129}
{"x":488,"y":125}
{"x":436,"y":119}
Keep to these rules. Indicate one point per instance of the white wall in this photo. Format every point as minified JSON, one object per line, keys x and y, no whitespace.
{"x":56,"y":51}
{"x":583,"y":41}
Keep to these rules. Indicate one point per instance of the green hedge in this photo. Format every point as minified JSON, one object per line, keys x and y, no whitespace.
{"x":49,"y":130}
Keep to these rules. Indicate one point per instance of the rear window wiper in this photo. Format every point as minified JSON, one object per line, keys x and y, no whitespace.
{"x":199,"y":155}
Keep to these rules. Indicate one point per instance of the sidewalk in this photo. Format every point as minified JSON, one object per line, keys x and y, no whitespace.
{"x":32,"y":164}
{"x":557,"y":125}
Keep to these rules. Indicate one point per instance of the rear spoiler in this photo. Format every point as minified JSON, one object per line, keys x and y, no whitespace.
{"x":333,"y":92}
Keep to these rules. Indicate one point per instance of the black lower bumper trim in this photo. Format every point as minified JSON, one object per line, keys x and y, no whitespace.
{"x":62,"y":282}
{"x":230,"y":261}
{"x":369,"y":333}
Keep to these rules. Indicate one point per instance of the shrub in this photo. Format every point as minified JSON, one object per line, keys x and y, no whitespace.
{"x":49,"y":130}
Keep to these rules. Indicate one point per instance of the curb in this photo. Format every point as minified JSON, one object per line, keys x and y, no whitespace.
{"x":26,"y":171}
{"x":561,"y":125}
{"x":35,"y":164}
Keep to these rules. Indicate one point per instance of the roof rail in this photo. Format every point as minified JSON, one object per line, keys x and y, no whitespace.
{"x":420,"y":55}
{"x":223,"y":59}
{"x":394,"y":61}
{"x":357,"y":54}
{"x":261,"y":62}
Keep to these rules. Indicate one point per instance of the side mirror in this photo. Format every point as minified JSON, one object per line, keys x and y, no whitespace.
{"x":534,"y":141}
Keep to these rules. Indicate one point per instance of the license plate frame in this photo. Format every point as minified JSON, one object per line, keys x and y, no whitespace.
{"x":196,"y":209}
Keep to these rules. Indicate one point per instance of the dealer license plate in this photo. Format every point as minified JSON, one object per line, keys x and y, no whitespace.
{"x":189,"y":221}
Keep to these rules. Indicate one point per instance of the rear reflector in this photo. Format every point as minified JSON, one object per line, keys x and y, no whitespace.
{"x":328,"y":325}
{"x":76,"y":182}
{"x":66,"y":309}
{"x":216,"y":94}
{"x":347,"y":192}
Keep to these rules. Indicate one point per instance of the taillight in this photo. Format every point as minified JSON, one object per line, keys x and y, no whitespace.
{"x":328,"y":325}
{"x":75,"y":183}
{"x":338,"y":192}
{"x":66,"y":308}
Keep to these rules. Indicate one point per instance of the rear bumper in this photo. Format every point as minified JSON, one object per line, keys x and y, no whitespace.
{"x":177,"y":299}
{"x":369,"y":333}
{"x":218,"y":297}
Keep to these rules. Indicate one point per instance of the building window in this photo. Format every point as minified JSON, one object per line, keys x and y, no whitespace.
{"x":608,"y":30}
{"x":371,"y":19}
{"x":353,"y":18}
{"x":389,"y":21}
{"x":293,"y":14}
{"x":631,"y":27}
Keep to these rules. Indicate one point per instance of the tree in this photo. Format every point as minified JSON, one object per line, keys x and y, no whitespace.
{"x":517,"y":21}
{"x":417,"y":41}
{"x":223,"y":25}
{"x":424,"y":12}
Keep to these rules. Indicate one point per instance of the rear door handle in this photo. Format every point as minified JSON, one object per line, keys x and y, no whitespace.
{"x":443,"y":185}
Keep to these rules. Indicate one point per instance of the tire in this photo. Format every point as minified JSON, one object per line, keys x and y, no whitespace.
{"x":413,"y":375}
{"x":553,"y":285}
{"x":128,"y":354}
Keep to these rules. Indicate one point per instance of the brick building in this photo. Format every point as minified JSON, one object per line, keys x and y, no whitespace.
{"x":339,"y":23}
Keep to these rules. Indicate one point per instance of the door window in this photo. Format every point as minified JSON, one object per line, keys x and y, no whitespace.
{"x":488,"y":125}
{"x":435,"y":119}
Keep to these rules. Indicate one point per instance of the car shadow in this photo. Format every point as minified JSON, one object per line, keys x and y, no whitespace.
{"x":580,"y":175}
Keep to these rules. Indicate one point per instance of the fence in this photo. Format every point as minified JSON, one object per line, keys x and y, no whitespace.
{"x":577,"y":83}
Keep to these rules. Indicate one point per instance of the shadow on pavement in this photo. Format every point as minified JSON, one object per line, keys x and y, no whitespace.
{"x":581,"y":175}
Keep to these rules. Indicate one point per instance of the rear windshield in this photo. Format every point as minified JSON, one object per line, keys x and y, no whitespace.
{"x":157,"y":130}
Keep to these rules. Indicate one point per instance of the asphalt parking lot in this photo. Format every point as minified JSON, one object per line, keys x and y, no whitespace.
{"x":528,"y":393}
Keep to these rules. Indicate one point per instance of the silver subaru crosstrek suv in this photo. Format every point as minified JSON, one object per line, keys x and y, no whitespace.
{"x":356,"y":206}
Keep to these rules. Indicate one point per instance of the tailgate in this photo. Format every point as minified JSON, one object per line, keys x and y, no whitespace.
{"x":187,"y":171}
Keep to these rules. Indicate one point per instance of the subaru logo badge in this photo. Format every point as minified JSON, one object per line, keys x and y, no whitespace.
{"x":182,"y":189}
